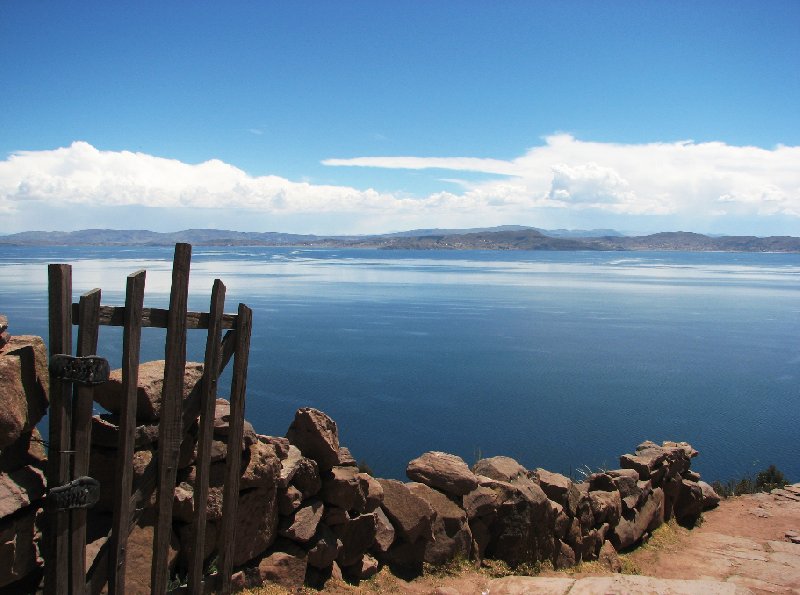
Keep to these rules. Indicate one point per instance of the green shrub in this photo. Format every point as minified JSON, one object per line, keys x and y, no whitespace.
{"x":765,"y":481}
{"x":769,"y":479}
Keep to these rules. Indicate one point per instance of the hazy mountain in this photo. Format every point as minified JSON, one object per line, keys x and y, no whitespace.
{"x":507,"y":237}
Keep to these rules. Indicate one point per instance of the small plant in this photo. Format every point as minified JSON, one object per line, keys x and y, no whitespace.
{"x":453,"y":567}
{"x":629,"y":566}
{"x":176,"y":583}
{"x":769,"y":479}
{"x":495,"y":568}
{"x":765,"y":481}
{"x":477,"y":455}
{"x":584,"y":472}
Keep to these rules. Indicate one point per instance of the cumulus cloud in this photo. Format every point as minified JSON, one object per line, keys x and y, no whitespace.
{"x":684,"y":180}
{"x":83,"y":175}
{"x":705,"y":179}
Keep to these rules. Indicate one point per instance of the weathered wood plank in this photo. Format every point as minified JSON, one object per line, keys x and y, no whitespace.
{"x":82,"y":401}
{"x":156,"y":318}
{"x":56,"y":529}
{"x":131,"y":343}
{"x":230,"y":498}
{"x":169,"y":428}
{"x":206,"y":435}
{"x":144,"y":487}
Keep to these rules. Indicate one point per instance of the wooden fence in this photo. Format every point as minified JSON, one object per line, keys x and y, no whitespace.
{"x":71,"y":404}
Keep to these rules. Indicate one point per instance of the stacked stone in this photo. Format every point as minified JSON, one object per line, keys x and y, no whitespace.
{"x":329,"y":513}
{"x":24,"y":384}
{"x":256,"y":522}
{"x":668,"y":467}
{"x":307,"y":513}
{"x":614,"y":510}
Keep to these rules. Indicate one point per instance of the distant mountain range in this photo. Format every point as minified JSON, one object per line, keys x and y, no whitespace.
{"x":506,"y":237}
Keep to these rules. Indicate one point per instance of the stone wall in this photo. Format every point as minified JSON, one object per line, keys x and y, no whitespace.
{"x":23,"y":402}
{"x":334,"y":520}
{"x":307,"y":513}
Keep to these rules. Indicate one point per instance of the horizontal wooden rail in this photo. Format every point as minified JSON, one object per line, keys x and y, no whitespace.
{"x":154,"y":317}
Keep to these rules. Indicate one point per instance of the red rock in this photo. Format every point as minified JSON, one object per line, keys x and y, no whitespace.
{"x":324,"y":548}
{"x":262,"y":466}
{"x":316,"y":435}
{"x":558,"y":488}
{"x":343,"y":487}
{"x":608,"y":557}
{"x":289,"y":466}
{"x":366,"y":568}
{"x":445,"y":472}
{"x":710,"y":497}
{"x":256,"y":524}
{"x":285,"y":568}
{"x":689,"y":505}
{"x":606,"y":507}
{"x":522,"y":529}
{"x":281,"y":444}
{"x":289,"y":500}
{"x":26,"y":450}
{"x":302,"y":526}
{"x":500,"y":468}
{"x":411,"y":516}
{"x":565,"y":557}
{"x":307,"y":477}
{"x":148,"y":394}
{"x":452,"y":537}
{"x":345,"y":458}
{"x":357,"y":536}
{"x":632,"y":526}
{"x":480,"y":502}
{"x":140,"y":558}
{"x":19,"y":553}
{"x":626,"y":481}
{"x":372,"y":491}
{"x":25,"y":381}
{"x":384,"y":531}
{"x":103,"y":465}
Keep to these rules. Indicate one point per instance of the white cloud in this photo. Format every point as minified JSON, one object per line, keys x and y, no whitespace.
{"x":565,"y":179}
{"x":681,"y":178}
{"x":82,"y":175}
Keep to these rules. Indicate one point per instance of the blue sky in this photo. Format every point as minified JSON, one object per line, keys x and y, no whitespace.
{"x":357,"y":117}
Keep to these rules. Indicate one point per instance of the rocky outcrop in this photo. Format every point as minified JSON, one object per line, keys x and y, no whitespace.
{"x":24,"y":388}
{"x":317,"y":437}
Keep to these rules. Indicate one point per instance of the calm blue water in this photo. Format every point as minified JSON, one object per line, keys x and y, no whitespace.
{"x":560,"y":360}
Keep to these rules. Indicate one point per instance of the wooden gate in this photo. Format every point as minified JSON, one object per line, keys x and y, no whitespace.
{"x":71,"y":400}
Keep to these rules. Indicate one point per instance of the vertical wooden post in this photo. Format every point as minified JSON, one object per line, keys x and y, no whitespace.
{"x":82,"y":401}
{"x":169,"y":429}
{"x":230,"y":501}
{"x":131,"y":342}
{"x":56,"y":535}
{"x":207,"y":407}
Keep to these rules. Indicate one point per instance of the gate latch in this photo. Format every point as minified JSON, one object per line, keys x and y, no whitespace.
{"x":89,"y":370}
{"x":83,"y":492}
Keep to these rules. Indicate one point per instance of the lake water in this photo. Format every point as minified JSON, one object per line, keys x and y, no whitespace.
{"x":561,"y":360}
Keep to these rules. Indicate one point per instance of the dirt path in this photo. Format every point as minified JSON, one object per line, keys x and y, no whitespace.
{"x":743,"y":541}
